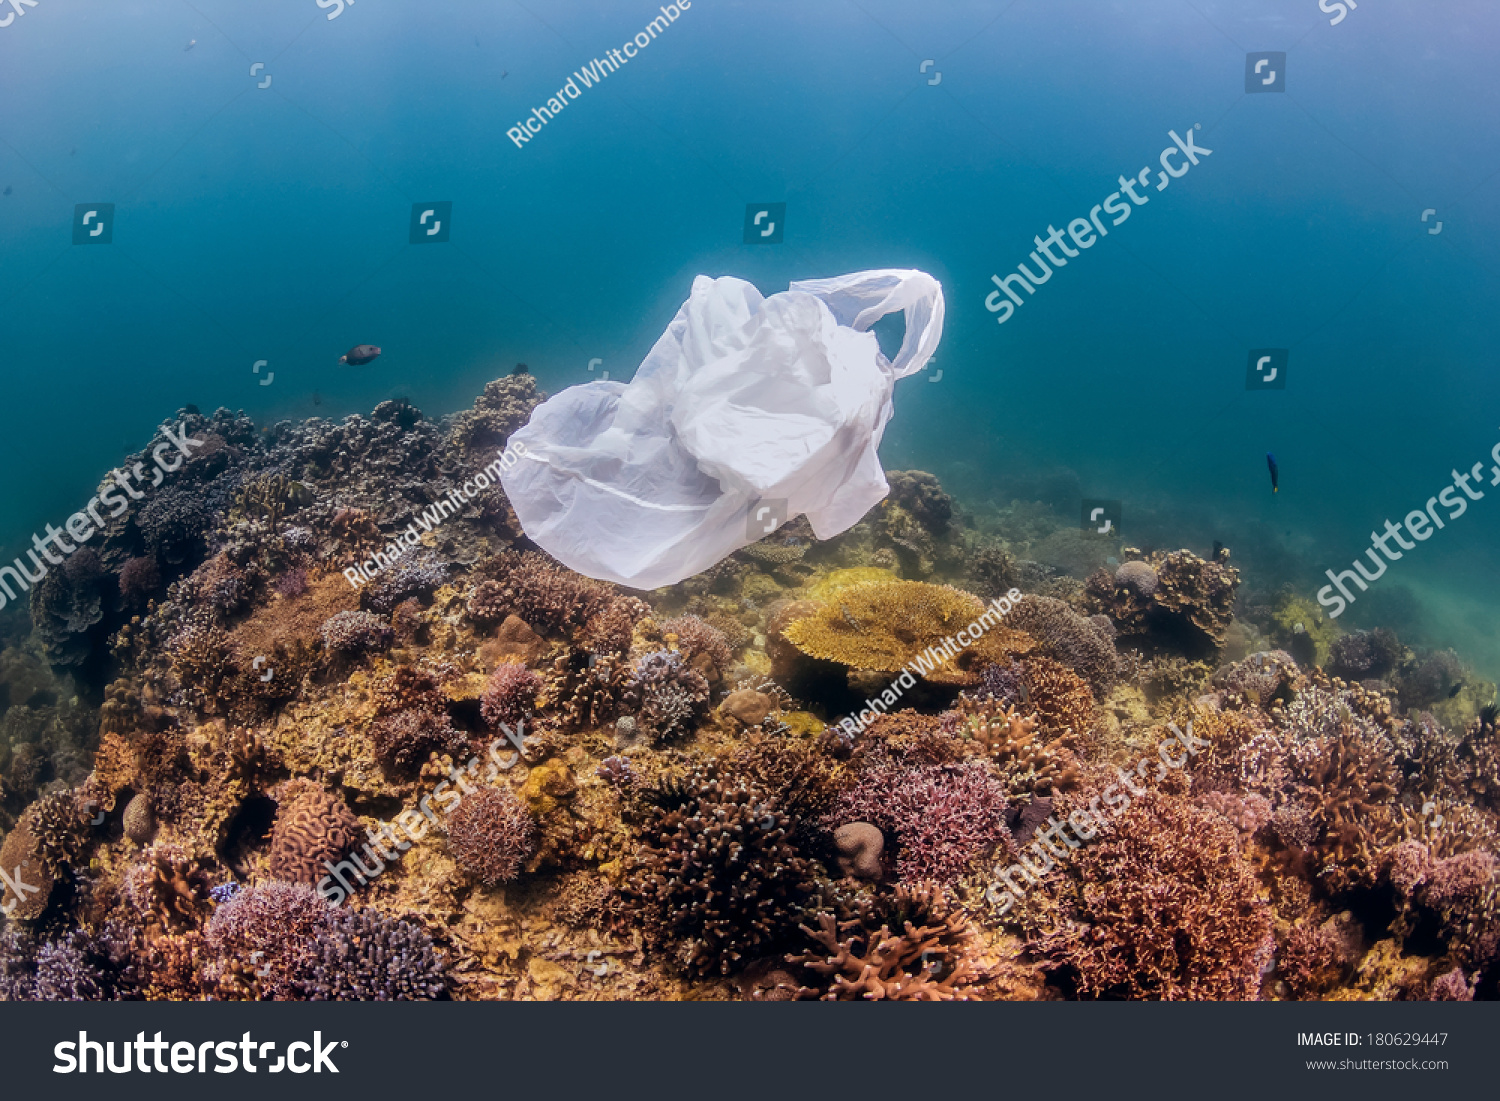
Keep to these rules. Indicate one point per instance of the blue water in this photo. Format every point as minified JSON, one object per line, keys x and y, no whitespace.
{"x":272,"y":224}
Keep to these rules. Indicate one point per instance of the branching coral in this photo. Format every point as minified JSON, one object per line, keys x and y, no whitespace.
{"x":910,"y":945}
{"x":490,"y":835}
{"x":884,"y":625}
{"x":510,"y":695}
{"x":701,"y":643}
{"x":669,"y":697}
{"x":1364,"y":654}
{"x":942,"y":817}
{"x":1187,"y":612}
{"x":404,"y":740}
{"x":715,"y":875}
{"x":1168,"y":908}
{"x":1085,"y":646}
{"x":355,"y":633}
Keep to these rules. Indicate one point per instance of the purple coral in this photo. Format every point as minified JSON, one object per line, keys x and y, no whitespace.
{"x":355,"y":633}
{"x":697,"y":637}
{"x":139,"y":578}
{"x":416,"y":577}
{"x":510,"y":695}
{"x":491,"y":835}
{"x":670,"y":697}
{"x":942,"y":816}
{"x":404,"y":740}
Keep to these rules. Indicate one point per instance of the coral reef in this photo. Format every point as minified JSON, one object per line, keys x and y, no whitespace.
{"x":206,"y":720}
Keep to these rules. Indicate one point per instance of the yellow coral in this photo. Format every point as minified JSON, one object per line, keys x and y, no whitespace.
{"x":836,"y":581}
{"x":883,"y":625}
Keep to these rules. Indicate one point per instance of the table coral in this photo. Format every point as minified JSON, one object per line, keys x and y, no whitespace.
{"x":885,"y":625}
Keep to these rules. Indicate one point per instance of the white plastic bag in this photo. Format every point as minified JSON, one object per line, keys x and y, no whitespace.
{"x":744,"y":400}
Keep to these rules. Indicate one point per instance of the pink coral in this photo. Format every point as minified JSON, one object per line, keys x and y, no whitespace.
{"x":510,"y":695}
{"x":942,"y":816}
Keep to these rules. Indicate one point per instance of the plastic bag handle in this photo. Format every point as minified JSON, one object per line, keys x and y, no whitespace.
{"x":861,"y":299}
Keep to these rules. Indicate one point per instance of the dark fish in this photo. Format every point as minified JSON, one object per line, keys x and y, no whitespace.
{"x":521,"y":369}
{"x":1218,"y":549}
{"x":360,"y":354}
{"x":317,"y":399}
{"x":1456,"y":689}
{"x":1275,"y":472}
{"x":1489,"y":715}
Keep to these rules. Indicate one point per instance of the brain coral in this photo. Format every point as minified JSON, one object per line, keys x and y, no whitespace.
{"x":312,"y":826}
{"x":1137,"y":576}
{"x":1167,"y":908}
{"x":491,"y":835}
{"x":884,"y":625}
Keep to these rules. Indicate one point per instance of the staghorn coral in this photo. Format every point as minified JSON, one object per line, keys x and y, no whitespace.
{"x":910,"y":945}
{"x":1167,"y":907}
{"x":585,"y":694}
{"x":510,"y":695}
{"x":1009,"y":737}
{"x":885,"y":625}
{"x":490,"y":835}
{"x":1349,"y":779}
{"x":1060,"y":700}
{"x":60,"y":827}
{"x":714,"y":875}
{"x":312,"y":827}
{"x":941,"y":817}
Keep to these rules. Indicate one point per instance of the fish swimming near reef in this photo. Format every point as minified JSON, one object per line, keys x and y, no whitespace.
{"x":360,"y":354}
{"x":1275,"y":472}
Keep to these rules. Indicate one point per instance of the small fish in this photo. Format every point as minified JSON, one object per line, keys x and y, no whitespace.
{"x":191,"y":43}
{"x":317,"y":399}
{"x":1275,"y":472}
{"x":360,"y":354}
{"x":1456,"y":689}
{"x":849,"y":618}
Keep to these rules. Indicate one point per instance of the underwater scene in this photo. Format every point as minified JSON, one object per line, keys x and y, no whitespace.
{"x":855,"y":500}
